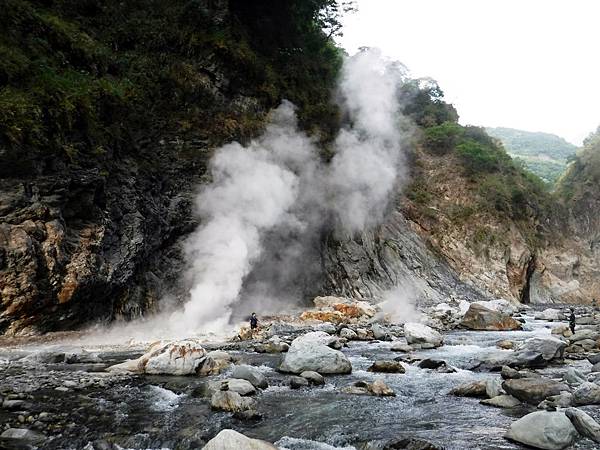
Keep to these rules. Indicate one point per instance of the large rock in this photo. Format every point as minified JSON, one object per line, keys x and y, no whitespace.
{"x":251,"y":374}
{"x":533,"y":390}
{"x":472,"y":389}
{"x":587,"y":394}
{"x":242,"y":387}
{"x":549,"y":314}
{"x":543,"y":429}
{"x":185,"y":357}
{"x":498,"y":305}
{"x":24,"y":435}
{"x":502,"y":401}
{"x":230,"y":439}
{"x":387,"y":366}
{"x":538,"y":352}
{"x":231,"y":401}
{"x":311,"y":352}
{"x":416,"y":333}
{"x":584,"y":424}
{"x":479,"y":317}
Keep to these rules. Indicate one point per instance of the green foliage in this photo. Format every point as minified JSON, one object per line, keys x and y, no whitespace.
{"x":78,"y":75}
{"x":481,"y":157}
{"x":582,"y":178}
{"x":424,"y":103}
{"x":442,"y":138}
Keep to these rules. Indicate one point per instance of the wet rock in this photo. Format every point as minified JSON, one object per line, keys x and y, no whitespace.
{"x":543,"y":429}
{"x":538,"y":352}
{"x":479,"y":317}
{"x":230,"y":439}
{"x":399,"y":444}
{"x":493,"y":387}
{"x":505,"y":344}
{"x":251,"y":374}
{"x":380,"y":333}
{"x":242,"y":387}
{"x":509,"y":373}
{"x":473,"y":389}
{"x":584,"y":424}
{"x":298,"y":382}
{"x":184,"y":357}
{"x":432,"y":364}
{"x":584,"y":334}
{"x":387,"y":366}
{"x":417,"y":333}
{"x":348,"y":333}
{"x":379,"y":389}
{"x":24,"y":435}
{"x":15,"y":405}
{"x":400,"y":347}
{"x":587,"y":394}
{"x":313,"y":377}
{"x":231,"y":401}
{"x":594,"y":359}
{"x":502,"y":401}
{"x":273,"y":345}
{"x":248,"y":415}
{"x":574,"y":377}
{"x":550,"y":315}
{"x":596,"y":367}
{"x":533,"y":390}
{"x":562,"y":400}
{"x":311,"y":352}
{"x":214,"y":363}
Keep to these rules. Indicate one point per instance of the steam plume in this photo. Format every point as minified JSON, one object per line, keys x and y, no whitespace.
{"x":268,"y":201}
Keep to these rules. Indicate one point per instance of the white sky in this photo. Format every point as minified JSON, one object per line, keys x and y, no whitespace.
{"x":528,"y":64}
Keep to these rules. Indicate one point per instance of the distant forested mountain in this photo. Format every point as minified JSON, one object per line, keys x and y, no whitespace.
{"x":544,"y":154}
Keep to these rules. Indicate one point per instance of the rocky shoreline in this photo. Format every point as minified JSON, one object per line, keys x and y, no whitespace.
{"x":519,"y":372}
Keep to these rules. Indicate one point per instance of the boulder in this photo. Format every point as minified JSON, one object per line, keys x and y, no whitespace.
{"x":311,"y":352}
{"x":432,"y":364}
{"x":313,"y":377}
{"x":473,"y":389}
{"x":231,"y":401}
{"x":574,"y":377}
{"x":400,"y":347}
{"x":584,"y":424}
{"x":242,"y":387}
{"x":273,"y":345}
{"x":298,"y":382}
{"x":505,"y":344}
{"x":502,"y":401}
{"x":584,"y":334}
{"x":533,"y":390}
{"x":387,"y":366}
{"x":24,"y":435}
{"x":230,"y":439}
{"x":538,"y":352}
{"x":595,"y":367}
{"x":562,"y":400}
{"x":587,"y":394}
{"x":493,"y":387}
{"x":251,"y":374}
{"x":417,"y":333}
{"x":185,"y":357}
{"x":499,"y":305}
{"x":509,"y":373}
{"x":348,"y":333}
{"x":215,"y":363}
{"x":380,"y":333}
{"x":549,"y":314}
{"x":379,"y":389}
{"x":479,"y":317}
{"x":543,"y":429}
{"x":594,"y":359}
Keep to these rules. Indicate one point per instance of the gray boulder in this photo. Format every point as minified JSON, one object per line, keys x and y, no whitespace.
{"x":473,"y":389}
{"x":311,"y":352}
{"x":242,"y":387}
{"x":574,"y":377}
{"x":230,"y":439}
{"x":231,"y":401}
{"x":543,"y":429}
{"x":533,"y":390}
{"x":298,"y":382}
{"x":502,"y":401}
{"x":584,"y":423}
{"x":538,"y":352}
{"x":387,"y":367}
{"x":24,"y":435}
{"x":417,"y":333}
{"x":251,"y":374}
{"x":587,"y":394}
{"x":313,"y":377}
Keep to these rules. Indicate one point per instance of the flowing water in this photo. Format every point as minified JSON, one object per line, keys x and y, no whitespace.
{"x":83,"y":407}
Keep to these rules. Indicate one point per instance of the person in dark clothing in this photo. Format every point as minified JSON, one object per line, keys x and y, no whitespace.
{"x":572,"y":321}
{"x":253,"y":322}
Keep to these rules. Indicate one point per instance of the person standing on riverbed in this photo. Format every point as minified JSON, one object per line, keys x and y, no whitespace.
{"x":572,"y":321}
{"x":253,"y":323}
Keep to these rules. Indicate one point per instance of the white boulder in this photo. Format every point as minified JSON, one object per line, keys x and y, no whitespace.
{"x":417,"y":333}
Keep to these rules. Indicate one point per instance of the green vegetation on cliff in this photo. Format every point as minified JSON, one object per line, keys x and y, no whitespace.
{"x":81,"y":80}
{"x":582,"y":178}
{"x":544,"y":154}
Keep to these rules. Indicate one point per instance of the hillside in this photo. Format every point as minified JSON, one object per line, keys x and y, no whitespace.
{"x":544,"y":154}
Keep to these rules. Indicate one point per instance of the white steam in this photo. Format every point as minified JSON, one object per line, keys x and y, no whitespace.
{"x":275,"y":194}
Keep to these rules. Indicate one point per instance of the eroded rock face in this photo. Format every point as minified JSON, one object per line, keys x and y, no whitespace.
{"x":310,"y":352}
{"x":479,"y":317}
{"x":542,"y":429}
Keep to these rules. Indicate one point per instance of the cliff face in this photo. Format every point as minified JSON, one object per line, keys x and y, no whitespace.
{"x":110,"y":112}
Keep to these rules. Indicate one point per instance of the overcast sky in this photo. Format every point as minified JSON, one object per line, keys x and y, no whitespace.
{"x":528,"y":64}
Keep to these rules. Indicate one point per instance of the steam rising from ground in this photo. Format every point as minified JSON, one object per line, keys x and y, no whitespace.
{"x":278,"y":188}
